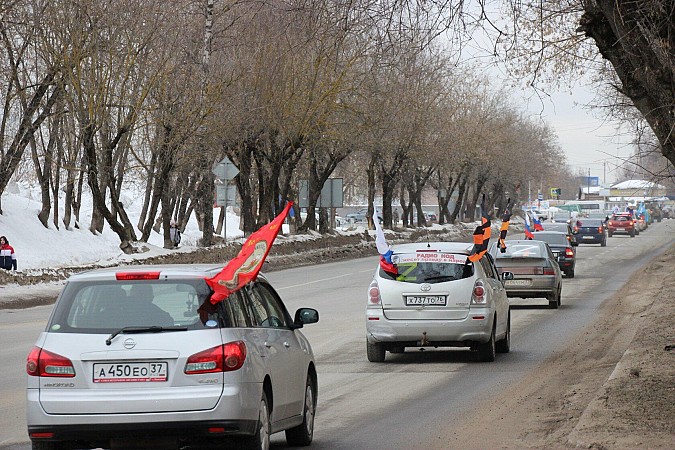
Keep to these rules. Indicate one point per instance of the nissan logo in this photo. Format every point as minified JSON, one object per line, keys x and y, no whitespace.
{"x":129,"y":343}
{"x":425,"y":287}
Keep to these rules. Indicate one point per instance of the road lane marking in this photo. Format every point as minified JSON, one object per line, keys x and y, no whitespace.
{"x":321,"y":280}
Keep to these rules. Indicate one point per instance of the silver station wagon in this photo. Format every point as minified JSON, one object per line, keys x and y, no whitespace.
{"x":139,"y":354}
{"x":437,"y":298}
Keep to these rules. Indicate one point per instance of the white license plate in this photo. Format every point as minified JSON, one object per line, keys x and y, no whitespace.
{"x":130,"y":372}
{"x":433,"y":300}
{"x":588,"y":237}
{"x":518,"y":282}
{"x":556,"y":254}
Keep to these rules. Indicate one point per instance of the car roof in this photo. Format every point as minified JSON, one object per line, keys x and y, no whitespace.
{"x":450,"y":247}
{"x":525,"y":241}
{"x":167,"y":271}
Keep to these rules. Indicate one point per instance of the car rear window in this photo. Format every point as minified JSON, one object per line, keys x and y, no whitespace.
{"x":412,"y":268}
{"x":555,"y":239}
{"x":620,"y":218}
{"x":591,"y":223}
{"x":521,"y":250}
{"x":562,"y":227}
{"x":107,"y":305}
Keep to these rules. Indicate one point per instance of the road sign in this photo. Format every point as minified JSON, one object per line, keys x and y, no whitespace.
{"x":226,"y":194}
{"x":555,"y":192}
{"x":540,"y":196}
{"x":225,"y":170}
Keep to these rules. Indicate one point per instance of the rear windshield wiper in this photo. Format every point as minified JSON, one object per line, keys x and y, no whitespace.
{"x":151,"y":329}
{"x":440,"y":278}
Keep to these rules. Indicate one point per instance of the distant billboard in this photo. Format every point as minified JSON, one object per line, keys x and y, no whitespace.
{"x":589,"y":181}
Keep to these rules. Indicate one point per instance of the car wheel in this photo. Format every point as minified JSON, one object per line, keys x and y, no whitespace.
{"x":610,"y":234}
{"x":261,"y":439}
{"x":632,"y":233}
{"x":375,"y":352}
{"x":504,"y":345}
{"x":397,"y":350}
{"x":603,"y":243}
{"x":487,"y":351}
{"x":302,"y":435}
{"x":570,"y":273}
{"x":554,"y":299}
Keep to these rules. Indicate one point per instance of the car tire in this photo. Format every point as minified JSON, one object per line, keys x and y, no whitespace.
{"x":554,"y":299}
{"x":302,"y":435}
{"x":603,"y":243}
{"x":610,"y":234}
{"x":375,"y":352}
{"x":487,"y":351}
{"x":397,"y":350}
{"x":504,"y":345}
{"x":632,"y":234}
{"x":570,"y":273}
{"x":261,"y":439}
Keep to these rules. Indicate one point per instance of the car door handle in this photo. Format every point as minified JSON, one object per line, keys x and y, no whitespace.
{"x":287,"y":345}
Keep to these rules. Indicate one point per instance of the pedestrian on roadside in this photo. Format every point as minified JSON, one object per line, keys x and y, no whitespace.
{"x":7,"y":255}
{"x":396,"y":217}
{"x":174,"y":233}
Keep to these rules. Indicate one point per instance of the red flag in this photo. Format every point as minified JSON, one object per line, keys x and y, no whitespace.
{"x":247,"y":264}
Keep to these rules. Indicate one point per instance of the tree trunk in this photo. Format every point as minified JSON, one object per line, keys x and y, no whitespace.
{"x":638,"y":39}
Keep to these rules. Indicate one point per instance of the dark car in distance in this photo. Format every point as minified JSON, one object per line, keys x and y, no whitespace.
{"x":591,"y":231}
{"x":563,"y":227}
{"x":563,"y":250}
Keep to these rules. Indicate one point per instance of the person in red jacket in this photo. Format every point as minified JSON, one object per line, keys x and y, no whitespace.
{"x":7,"y":255}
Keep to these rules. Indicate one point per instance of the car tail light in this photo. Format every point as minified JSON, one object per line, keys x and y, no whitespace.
{"x":478,"y":295}
{"x":549,"y":271}
{"x":630,"y":222}
{"x":43,"y":363}
{"x":569,"y":252}
{"x":374,"y":294}
{"x":600,"y":229}
{"x":137,"y":276}
{"x":222,"y":358}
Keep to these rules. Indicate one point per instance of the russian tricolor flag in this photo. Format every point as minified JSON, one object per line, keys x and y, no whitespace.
{"x":537,"y":223}
{"x":528,"y":230}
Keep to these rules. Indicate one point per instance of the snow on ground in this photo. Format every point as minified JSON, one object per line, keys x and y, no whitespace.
{"x":37,"y":247}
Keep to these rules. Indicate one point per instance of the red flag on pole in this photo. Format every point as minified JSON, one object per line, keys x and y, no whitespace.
{"x":247,"y":264}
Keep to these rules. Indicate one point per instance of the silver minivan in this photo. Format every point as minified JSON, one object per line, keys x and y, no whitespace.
{"x":139,"y":353}
{"x":437,"y":298}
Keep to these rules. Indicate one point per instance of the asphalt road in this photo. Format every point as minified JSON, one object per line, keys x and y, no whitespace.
{"x":399,"y":403}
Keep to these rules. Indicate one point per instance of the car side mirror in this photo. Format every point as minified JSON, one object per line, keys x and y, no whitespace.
{"x":507,"y":276}
{"x":305,"y":316}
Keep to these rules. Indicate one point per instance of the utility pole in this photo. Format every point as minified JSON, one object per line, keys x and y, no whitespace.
{"x":588,"y":193}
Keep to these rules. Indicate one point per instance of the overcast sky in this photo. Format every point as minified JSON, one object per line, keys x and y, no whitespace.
{"x":587,"y":142}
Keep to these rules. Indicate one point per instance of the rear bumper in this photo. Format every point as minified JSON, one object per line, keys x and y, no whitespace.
{"x":232,"y":415}
{"x":100,"y":433}
{"x":590,"y":238}
{"x":621,"y":230}
{"x":475,"y":327}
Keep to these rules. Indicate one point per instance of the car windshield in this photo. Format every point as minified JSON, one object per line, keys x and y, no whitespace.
{"x":520,"y":250}
{"x":412,"y":268}
{"x":101,"y":306}
{"x":552,"y":238}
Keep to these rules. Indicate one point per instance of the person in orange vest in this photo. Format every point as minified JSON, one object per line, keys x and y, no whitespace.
{"x":7,"y":255}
